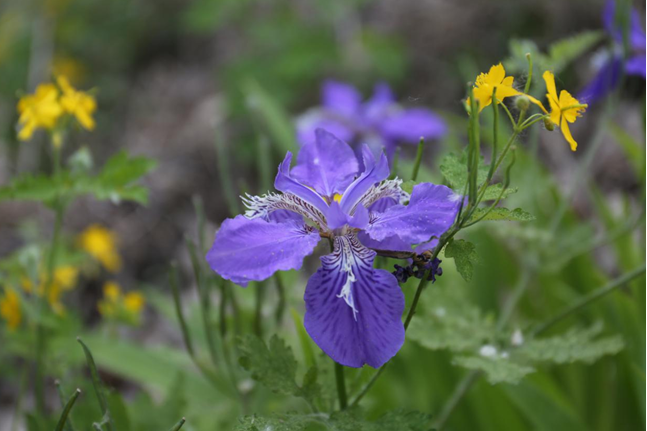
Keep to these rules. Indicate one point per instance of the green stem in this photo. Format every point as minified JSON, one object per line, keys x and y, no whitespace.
{"x":280,"y":307}
{"x":341,"y":386}
{"x":258,"y":309}
{"x":416,"y":166}
{"x":459,"y":392}
{"x":587,"y":299}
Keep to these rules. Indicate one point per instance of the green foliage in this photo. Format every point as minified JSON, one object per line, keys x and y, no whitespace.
{"x":116,"y":181}
{"x":560,"y":54}
{"x":465,"y":256}
{"x":454,"y":169}
{"x":408,"y":186}
{"x":575,"y":345}
{"x":500,"y":213}
{"x":398,"y":420}
{"x":494,"y":191}
{"x":497,"y":369}
{"x":276,"y":367}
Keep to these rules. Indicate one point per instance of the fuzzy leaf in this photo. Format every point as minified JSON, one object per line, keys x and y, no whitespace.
{"x":564,"y":51}
{"x":454,"y":169}
{"x":500,"y":213}
{"x":407,"y":186}
{"x":575,"y":345}
{"x":492,"y":192}
{"x":496,"y":369}
{"x":275,"y":367}
{"x":464,"y":254}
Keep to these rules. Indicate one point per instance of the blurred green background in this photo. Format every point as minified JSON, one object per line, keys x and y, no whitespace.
{"x":200,"y":86}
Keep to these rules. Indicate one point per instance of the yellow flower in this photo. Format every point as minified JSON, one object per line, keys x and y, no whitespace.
{"x":38,"y":110}
{"x":563,"y":109}
{"x":78,"y":103}
{"x":10,"y":309}
{"x":134,"y":302}
{"x":101,"y":244}
{"x":486,"y":82}
{"x":63,"y":279}
{"x":116,"y":305}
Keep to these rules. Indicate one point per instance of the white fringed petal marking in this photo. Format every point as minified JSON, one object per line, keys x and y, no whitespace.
{"x":386,"y":189}
{"x":262,"y":206}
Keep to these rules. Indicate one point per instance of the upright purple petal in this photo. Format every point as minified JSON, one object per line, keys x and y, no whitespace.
{"x":252,"y":250}
{"x":341,"y":98}
{"x":374,"y":172}
{"x":431,"y":211}
{"x":378,"y":106}
{"x":353,"y":311}
{"x":410,"y":125}
{"x":328,"y":165}
{"x":336,"y":218}
{"x":636,"y":32}
{"x":314,"y":119}
{"x":285,"y":183}
{"x":636,"y":65}
{"x":604,"y":81}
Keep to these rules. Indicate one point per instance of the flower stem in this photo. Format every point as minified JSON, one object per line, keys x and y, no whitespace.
{"x":416,"y":166}
{"x":459,"y":392}
{"x":341,"y":386}
{"x":587,"y":299}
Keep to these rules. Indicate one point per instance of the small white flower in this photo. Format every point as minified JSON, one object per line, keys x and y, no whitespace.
{"x":488,"y":351}
{"x":505,"y":355}
{"x":517,"y":338}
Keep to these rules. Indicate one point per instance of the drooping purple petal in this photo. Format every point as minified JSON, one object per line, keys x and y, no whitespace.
{"x":315,"y":119}
{"x":431,"y":211}
{"x":604,"y":81}
{"x":353,"y":311}
{"x":285,"y":183}
{"x":409,"y":125}
{"x":374,"y":173}
{"x":328,"y":165}
{"x":636,"y":65}
{"x":252,"y":250}
{"x":340,"y":98}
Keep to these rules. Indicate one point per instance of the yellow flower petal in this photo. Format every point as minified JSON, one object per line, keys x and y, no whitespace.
{"x":567,"y":134}
{"x":549,"y":78}
{"x":496,"y":74}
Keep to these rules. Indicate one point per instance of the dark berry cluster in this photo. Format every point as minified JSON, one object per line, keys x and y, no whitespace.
{"x":418,"y":270}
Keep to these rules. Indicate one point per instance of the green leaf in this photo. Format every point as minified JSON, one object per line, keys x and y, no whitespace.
{"x":451,"y":323}
{"x":454,"y":169}
{"x":408,"y":186}
{"x":564,"y":51}
{"x":500,"y":213}
{"x":575,"y":345}
{"x":464,"y":254}
{"x":494,"y":191}
{"x":275,"y":367}
{"x":497,"y":369}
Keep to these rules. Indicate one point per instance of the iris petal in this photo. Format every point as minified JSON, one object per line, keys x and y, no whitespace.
{"x":353,"y":311}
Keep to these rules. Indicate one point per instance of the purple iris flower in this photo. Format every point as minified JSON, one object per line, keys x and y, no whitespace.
{"x":380,"y":121}
{"x":353,"y":311}
{"x":610,"y":62}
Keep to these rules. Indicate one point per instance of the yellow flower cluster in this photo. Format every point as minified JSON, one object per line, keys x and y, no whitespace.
{"x":117,"y":305}
{"x":63,"y":280}
{"x":49,"y":104}
{"x":564,"y":109}
{"x":10,"y":309}
{"x":101,"y":244}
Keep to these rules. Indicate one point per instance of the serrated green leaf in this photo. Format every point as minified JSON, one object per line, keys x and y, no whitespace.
{"x":576,"y":345}
{"x":407,"y":186}
{"x":454,"y":169}
{"x":496,"y":369}
{"x":500,"y":213}
{"x":494,"y":191}
{"x":564,"y":51}
{"x":458,"y":327}
{"x":348,"y":420}
{"x":464,"y":255}
{"x":275,"y":367}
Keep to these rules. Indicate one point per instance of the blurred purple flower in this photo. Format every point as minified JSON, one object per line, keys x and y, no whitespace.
{"x":379,"y":122}
{"x":353,"y":311}
{"x":610,"y":62}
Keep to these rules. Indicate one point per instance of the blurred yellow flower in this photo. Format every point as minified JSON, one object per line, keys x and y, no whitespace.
{"x":101,"y":244}
{"x":39,"y":110}
{"x":10,"y":309}
{"x":563,"y":109}
{"x":116,"y":305}
{"x":64,"y":279}
{"x":78,"y":103}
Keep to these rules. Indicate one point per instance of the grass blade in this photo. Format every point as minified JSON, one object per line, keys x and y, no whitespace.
{"x":60,"y":426}
{"x":96,"y":382}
